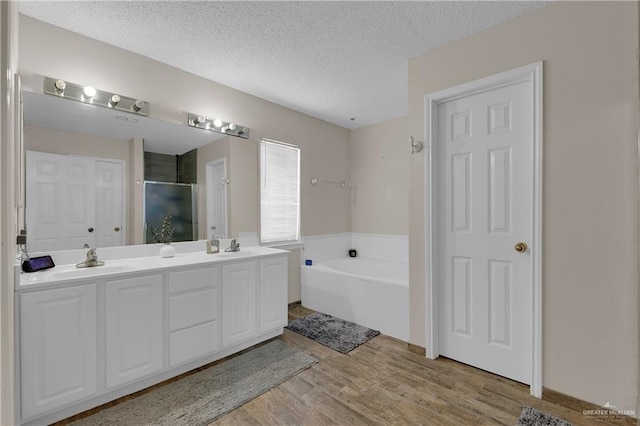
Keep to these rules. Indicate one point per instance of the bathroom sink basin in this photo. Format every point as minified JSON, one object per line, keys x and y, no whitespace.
{"x":71,"y":272}
{"x":232,"y":254}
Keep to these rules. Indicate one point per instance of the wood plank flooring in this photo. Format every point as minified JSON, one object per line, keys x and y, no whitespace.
{"x":383,"y":382}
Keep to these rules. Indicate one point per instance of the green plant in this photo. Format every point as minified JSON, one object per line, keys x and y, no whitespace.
{"x":163,"y":234}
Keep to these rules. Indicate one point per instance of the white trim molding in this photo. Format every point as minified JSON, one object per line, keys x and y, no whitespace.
{"x":531,"y":74}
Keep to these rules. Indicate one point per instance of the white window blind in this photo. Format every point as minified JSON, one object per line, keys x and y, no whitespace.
{"x":279,"y":192}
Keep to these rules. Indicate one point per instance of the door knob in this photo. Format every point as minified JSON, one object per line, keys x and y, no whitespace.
{"x":521,"y":247}
{"x":90,"y":229}
{"x":117,"y":229}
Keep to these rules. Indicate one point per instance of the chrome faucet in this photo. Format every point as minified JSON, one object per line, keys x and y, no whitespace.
{"x":92,"y":259}
{"x":235,"y":246}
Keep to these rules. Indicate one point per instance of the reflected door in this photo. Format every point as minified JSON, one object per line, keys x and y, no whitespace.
{"x":60,"y":202}
{"x":109,"y":204}
{"x":486,"y":202}
{"x":217,"y":198}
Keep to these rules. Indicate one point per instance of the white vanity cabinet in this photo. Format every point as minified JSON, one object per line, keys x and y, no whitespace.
{"x":272,"y":293}
{"x":134,"y":329}
{"x":239,"y":301}
{"x":194,"y":309}
{"x":87,"y":341}
{"x":58,"y":344}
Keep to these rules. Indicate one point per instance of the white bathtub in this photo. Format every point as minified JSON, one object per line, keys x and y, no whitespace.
{"x":370,"y":292}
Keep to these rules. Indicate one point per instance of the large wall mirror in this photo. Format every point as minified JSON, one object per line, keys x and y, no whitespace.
{"x":101,"y":177}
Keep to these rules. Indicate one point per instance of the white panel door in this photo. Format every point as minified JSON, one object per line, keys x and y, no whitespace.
{"x":485,"y":144}
{"x":60,"y":202}
{"x":134,"y":328}
{"x":217,"y":198}
{"x":57,"y":347}
{"x":273,"y":293}
{"x":110,"y":218}
{"x":239,"y":302}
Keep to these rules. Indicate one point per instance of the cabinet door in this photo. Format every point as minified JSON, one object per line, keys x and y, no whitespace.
{"x":57,"y":348}
{"x":134,"y":329}
{"x":273,"y":293}
{"x":239,"y":302}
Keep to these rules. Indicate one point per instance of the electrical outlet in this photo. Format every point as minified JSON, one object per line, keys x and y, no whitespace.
{"x":21,"y":240}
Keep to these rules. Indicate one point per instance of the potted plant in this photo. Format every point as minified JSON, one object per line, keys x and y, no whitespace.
{"x":164,"y":235}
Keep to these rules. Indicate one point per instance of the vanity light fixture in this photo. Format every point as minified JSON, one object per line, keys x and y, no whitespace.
{"x":90,"y":95}
{"x":217,"y":125}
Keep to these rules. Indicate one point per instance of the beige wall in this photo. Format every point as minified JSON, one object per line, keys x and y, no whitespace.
{"x":243,"y":175}
{"x":65,"y":143}
{"x":380,"y":158}
{"x":590,"y":278}
{"x":170,"y":91}
{"x":136,"y":191}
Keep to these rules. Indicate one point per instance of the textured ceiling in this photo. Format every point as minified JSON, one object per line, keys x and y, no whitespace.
{"x":332,"y":60}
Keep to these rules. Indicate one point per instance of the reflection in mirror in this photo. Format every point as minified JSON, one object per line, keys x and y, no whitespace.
{"x":86,"y":172}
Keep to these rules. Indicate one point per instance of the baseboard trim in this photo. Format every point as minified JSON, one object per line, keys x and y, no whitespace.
{"x":579,"y":405}
{"x":417,"y":349}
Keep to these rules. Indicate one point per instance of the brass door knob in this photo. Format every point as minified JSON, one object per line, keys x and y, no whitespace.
{"x":521,"y":247}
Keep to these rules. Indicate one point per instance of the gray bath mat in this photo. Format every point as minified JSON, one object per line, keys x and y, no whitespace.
{"x":532,"y":417}
{"x":204,"y":396}
{"x":340,"y":335}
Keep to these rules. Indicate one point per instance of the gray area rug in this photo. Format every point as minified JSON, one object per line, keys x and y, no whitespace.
{"x":204,"y":396}
{"x":532,"y":417}
{"x":340,"y":335}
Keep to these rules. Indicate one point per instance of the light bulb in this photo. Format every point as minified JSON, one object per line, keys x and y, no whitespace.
{"x":217,"y":123}
{"x":199,"y":119}
{"x":60,"y":85}
{"x":232,"y":126}
{"x":89,"y":92}
{"x":114,"y":100}
{"x":137,"y":105}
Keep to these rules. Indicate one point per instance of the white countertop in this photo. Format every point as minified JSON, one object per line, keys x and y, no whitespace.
{"x":67,"y":274}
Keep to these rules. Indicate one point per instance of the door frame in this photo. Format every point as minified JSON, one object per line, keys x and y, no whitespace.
{"x":209,"y":166}
{"x":532,"y":74}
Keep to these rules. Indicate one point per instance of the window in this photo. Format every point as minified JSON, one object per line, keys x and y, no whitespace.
{"x":279,"y":192}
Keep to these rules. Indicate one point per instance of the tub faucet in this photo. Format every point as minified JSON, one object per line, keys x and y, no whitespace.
{"x":92,"y":259}
{"x":234,"y":246}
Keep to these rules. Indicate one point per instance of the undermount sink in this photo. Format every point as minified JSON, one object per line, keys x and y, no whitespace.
{"x":70,"y":272}
{"x":234,"y":254}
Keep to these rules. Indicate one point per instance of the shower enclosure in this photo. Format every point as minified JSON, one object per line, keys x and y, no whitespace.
{"x":179,"y":199}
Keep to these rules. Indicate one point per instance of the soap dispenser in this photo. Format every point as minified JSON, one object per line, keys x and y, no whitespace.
{"x":213,"y":245}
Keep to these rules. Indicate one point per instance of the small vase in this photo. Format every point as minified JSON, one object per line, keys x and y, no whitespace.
{"x":167,"y":250}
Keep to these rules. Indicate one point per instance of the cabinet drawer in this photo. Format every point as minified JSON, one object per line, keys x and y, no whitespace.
{"x":193,"y":342}
{"x":189,"y":309}
{"x":193,"y":279}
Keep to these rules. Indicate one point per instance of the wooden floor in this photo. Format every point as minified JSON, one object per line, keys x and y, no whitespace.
{"x":382,"y":382}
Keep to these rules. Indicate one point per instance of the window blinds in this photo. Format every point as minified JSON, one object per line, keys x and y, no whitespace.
{"x":279,"y":192}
